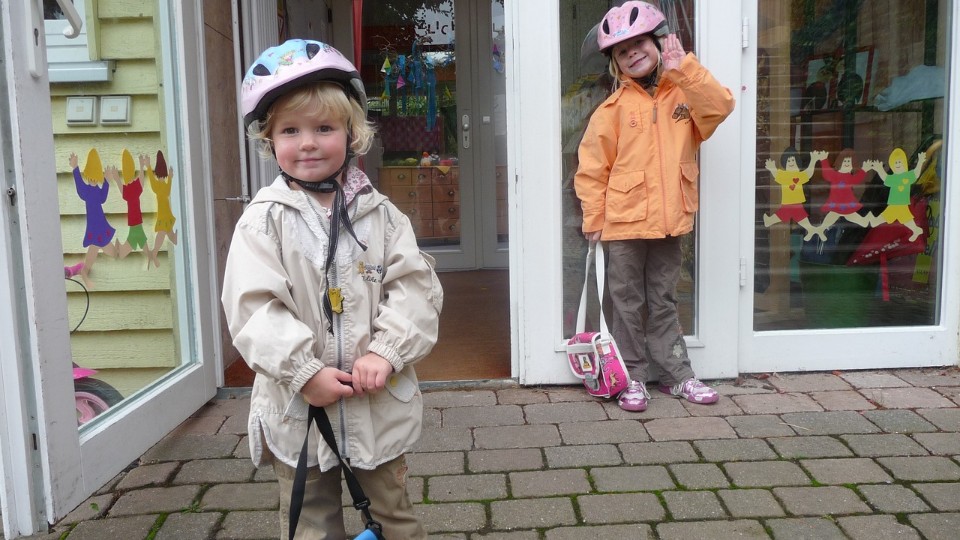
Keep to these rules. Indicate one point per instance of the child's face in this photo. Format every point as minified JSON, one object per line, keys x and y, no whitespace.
{"x":310,"y":147}
{"x":637,"y":57}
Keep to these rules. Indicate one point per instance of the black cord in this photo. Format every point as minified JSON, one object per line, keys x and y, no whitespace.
{"x":86,"y":309}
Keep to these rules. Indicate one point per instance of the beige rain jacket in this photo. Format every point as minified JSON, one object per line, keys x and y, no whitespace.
{"x":272,"y":294}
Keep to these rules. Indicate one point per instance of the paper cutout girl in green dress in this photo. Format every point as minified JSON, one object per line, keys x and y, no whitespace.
{"x":93,"y":191}
{"x":899,"y":182}
{"x":161,"y":183}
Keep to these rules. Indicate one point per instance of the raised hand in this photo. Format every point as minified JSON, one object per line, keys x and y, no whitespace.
{"x":672,"y":53}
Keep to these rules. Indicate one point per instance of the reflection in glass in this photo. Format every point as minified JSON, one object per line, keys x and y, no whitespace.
{"x":409,"y":68}
{"x":850,"y":126}
{"x":117,"y":156}
{"x":585,"y":83}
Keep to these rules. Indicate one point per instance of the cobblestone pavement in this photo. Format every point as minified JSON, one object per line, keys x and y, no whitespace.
{"x":867,"y":454}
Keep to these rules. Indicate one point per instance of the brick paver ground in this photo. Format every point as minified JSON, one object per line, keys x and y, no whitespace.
{"x":870,"y":454}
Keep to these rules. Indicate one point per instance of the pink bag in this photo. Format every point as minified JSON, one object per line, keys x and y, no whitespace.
{"x":594,"y":356}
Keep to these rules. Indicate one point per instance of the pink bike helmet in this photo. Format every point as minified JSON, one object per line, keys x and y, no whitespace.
{"x":632,"y":19}
{"x":295,"y":63}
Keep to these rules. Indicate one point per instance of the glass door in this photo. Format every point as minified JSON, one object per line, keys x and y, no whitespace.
{"x":122,"y":351}
{"x":707,"y":286}
{"x":849,"y":165}
{"x":434,"y":72}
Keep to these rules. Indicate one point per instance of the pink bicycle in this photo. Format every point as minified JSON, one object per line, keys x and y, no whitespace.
{"x":92,"y":396}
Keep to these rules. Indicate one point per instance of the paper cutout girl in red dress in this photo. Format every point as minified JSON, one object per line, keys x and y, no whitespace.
{"x":899,"y":182}
{"x":791,"y":180}
{"x":842,"y":202}
{"x":131,"y":189}
{"x":161,"y":183}
{"x":93,"y":191}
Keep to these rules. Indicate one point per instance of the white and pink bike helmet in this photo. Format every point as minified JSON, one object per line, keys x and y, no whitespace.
{"x":632,"y":19}
{"x":291,"y":64}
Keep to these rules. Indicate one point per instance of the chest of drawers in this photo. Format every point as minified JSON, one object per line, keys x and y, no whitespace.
{"x":429,"y":196}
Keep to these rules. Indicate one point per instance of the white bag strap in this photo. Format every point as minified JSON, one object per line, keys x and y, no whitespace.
{"x":595,"y":253}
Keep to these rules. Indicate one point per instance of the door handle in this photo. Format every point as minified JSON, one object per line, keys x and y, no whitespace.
{"x":242,"y":199}
{"x":73,"y":17}
{"x":465,"y":124}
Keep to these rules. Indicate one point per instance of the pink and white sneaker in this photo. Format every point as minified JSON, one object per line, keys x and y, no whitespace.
{"x":693,"y":391}
{"x":634,"y":397}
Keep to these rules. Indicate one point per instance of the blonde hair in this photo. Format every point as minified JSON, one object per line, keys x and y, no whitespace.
{"x":321,"y":98}
{"x":896,"y":154}
{"x":93,"y":169}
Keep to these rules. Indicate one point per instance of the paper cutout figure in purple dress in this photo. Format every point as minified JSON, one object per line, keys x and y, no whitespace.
{"x":93,"y":191}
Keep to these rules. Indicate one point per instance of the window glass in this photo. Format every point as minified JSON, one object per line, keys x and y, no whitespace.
{"x":850,"y":127}
{"x":123,"y":222}
{"x":584,"y":84}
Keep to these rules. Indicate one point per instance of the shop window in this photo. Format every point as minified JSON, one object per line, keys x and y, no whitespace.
{"x":851,"y":106}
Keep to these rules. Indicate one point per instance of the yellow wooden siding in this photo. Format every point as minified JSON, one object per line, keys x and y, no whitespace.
{"x":144,"y":109}
{"x":126,"y":9}
{"x":124,"y":39}
{"x":127,"y":381}
{"x":151,"y":310}
{"x":129,"y":332}
{"x":144,"y":348}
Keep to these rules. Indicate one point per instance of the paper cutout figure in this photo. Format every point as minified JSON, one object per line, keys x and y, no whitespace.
{"x":791,"y":180}
{"x":161,"y":183}
{"x":130,"y":189}
{"x":842,"y":202}
{"x":93,"y":191}
{"x":899,"y":182}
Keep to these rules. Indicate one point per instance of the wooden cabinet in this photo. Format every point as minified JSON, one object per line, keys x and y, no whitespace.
{"x":429,"y":196}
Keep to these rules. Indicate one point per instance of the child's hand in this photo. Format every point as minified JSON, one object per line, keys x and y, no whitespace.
{"x":370,"y":373}
{"x":74,"y":162}
{"x":673,"y":52}
{"x":326,"y":387}
{"x":111,"y":173}
{"x":593,"y":236}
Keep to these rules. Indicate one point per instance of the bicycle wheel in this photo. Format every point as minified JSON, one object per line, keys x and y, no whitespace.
{"x":93,"y":397}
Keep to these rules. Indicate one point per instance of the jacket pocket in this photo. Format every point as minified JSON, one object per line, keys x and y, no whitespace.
{"x":627,"y":197}
{"x":690,"y":174}
{"x":401,"y":387}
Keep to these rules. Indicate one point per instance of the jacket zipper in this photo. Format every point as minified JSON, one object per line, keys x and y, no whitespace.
{"x":663,"y":198}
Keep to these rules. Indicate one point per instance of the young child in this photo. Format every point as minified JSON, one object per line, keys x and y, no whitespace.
{"x":637,"y":183}
{"x":327,"y":296}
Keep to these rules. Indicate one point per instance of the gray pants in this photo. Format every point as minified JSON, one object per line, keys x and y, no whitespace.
{"x":642,"y":283}
{"x":322,"y":514}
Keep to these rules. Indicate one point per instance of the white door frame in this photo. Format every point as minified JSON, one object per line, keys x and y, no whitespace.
{"x":44,"y":484}
{"x":535,"y":206}
{"x":867,"y":348}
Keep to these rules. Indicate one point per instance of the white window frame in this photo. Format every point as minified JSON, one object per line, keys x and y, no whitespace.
{"x":70,"y":59}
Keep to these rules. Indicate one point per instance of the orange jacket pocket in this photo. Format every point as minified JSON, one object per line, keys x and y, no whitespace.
{"x":626,"y":197}
{"x":690,"y":173}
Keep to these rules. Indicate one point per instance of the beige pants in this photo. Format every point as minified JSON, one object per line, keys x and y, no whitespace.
{"x":322,"y":515}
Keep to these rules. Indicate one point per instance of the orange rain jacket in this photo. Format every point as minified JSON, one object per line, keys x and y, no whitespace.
{"x":638,"y":169}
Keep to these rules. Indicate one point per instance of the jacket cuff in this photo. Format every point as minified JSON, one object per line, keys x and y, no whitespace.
{"x":305,"y":373}
{"x":389,"y":353}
